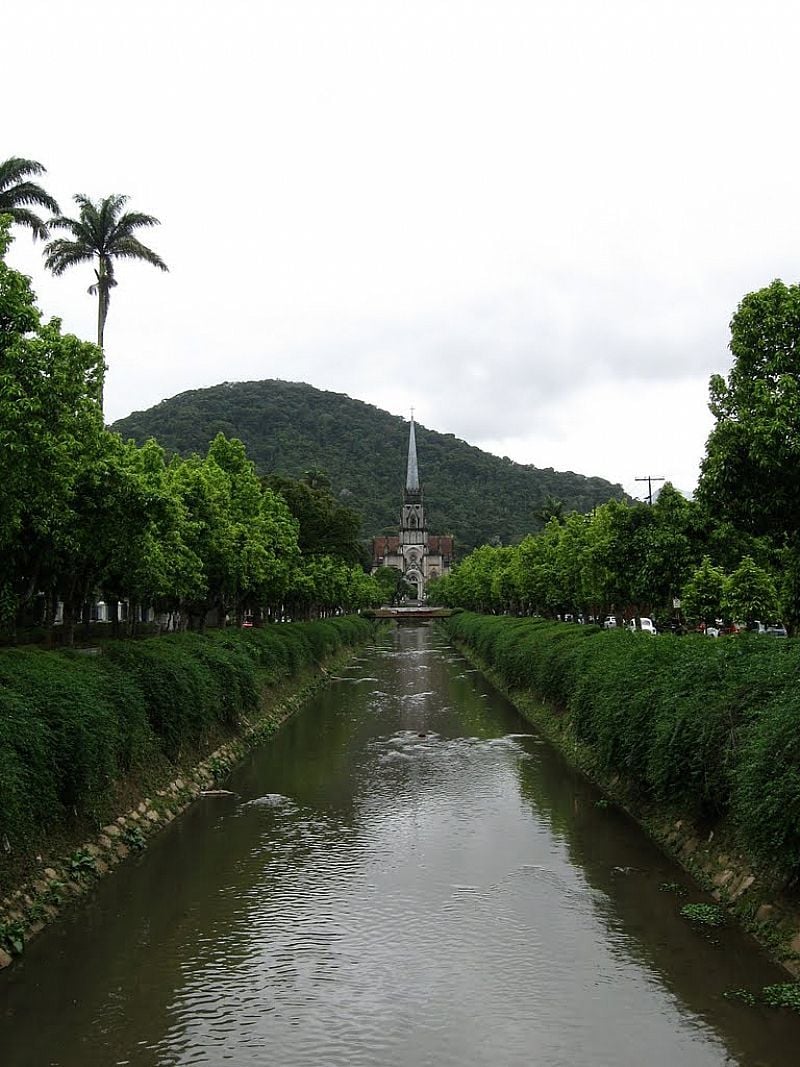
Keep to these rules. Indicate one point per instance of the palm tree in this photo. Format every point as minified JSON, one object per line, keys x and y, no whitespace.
{"x":17,"y":194}
{"x":552,"y":508}
{"x":102,"y":232}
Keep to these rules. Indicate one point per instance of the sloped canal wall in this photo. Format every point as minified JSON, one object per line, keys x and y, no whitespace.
{"x":698,"y":740}
{"x":99,"y":752}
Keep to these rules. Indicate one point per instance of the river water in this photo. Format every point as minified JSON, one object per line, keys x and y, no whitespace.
{"x":407,"y":875}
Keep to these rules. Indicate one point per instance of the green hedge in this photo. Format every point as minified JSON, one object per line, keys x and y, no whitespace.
{"x":73,"y":724}
{"x":708,"y":727}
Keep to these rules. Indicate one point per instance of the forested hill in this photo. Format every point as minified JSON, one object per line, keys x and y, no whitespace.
{"x":289,"y":428}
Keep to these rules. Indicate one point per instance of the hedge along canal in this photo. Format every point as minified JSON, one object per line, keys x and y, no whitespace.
{"x":698,"y":740}
{"x":99,"y":751}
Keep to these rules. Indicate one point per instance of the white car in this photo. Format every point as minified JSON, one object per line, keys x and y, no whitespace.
{"x":610,"y":623}
{"x":645,"y":625}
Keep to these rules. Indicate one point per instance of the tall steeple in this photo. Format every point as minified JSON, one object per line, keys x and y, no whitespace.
{"x":412,"y":469}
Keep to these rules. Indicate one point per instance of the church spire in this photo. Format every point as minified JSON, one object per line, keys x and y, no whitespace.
{"x":412,"y":470}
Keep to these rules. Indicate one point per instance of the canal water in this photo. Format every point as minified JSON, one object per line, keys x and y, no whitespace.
{"x":407,"y":875}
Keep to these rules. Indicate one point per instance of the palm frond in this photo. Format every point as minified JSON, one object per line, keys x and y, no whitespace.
{"x":17,"y":194}
{"x":15,"y":170}
{"x":62,"y":254}
{"x":23,"y":217}
{"x":131,"y":248}
{"x":28,"y":193}
{"x":133,"y":220}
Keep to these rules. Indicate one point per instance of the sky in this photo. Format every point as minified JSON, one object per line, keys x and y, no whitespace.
{"x":531,"y":221}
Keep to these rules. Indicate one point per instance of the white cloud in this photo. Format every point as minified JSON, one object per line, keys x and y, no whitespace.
{"x":533,"y":222}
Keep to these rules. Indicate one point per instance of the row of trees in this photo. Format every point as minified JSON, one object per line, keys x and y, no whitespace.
{"x":83,"y":512}
{"x":733,"y":552}
{"x":621,"y":559}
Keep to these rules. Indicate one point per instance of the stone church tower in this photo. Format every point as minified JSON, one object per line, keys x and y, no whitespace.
{"x":418,"y":554}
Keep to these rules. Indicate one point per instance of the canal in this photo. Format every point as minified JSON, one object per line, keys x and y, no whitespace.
{"x":406,"y":875}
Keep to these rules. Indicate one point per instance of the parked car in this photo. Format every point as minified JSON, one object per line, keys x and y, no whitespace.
{"x":645,"y":625}
{"x":610,"y":623}
{"x":712,"y":631}
{"x":772,"y":629}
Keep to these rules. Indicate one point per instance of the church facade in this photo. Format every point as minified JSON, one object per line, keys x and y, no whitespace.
{"x":416,"y":553}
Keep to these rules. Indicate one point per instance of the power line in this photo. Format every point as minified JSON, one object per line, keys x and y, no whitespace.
{"x":650,"y":479}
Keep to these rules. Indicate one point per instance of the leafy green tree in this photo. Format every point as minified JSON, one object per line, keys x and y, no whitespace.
{"x":614,"y":555}
{"x":326,"y":527}
{"x":552,"y":508}
{"x":749,"y":593}
{"x":668,"y":549}
{"x":704,"y":592}
{"x":754,"y":448}
{"x":244,"y":534}
{"x":531,"y":575}
{"x":18,"y":194}
{"x":49,"y":415}
{"x":152,"y":565}
{"x":105,"y":525}
{"x":103,"y":233}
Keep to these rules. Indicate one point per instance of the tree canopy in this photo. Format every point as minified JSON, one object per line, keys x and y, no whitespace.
{"x":750,"y":470}
{"x":19,"y":195}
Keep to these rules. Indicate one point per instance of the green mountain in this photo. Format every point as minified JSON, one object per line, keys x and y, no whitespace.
{"x":290,"y":428}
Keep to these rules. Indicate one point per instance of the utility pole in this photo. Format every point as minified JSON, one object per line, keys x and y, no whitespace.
{"x":650,"y":479}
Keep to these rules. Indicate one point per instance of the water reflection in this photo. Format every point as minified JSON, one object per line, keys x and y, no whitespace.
{"x":407,"y":875}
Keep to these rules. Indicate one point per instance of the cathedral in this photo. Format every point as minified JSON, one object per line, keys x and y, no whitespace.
{"x":419,"y":555}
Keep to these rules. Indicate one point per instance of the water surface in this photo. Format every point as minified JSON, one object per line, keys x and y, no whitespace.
{"x":407,"y":875}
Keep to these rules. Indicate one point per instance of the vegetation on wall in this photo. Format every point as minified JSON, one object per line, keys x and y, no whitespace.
{"x":698,"y":726}
{"x":72,"y":726}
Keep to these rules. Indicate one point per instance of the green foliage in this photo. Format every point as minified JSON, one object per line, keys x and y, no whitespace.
{"x":707,"y":727}
{"x":782,"y":995}
{"x":703,"y":593}
{"x":749,"y":473}
{"x":703,"y":914}
{"x":18,"y":194}
{"x":71,"y":725}
{"x":326,"y":527}
{"x":81,"y":864}
{"x":288,"y":428}
{"x":12,"y":937}
{"x":750,"y":593}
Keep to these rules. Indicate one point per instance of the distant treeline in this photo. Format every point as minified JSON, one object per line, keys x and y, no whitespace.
{"x":290,"y":427}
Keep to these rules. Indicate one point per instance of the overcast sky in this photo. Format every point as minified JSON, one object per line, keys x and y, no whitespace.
{"x":530,"y":220}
